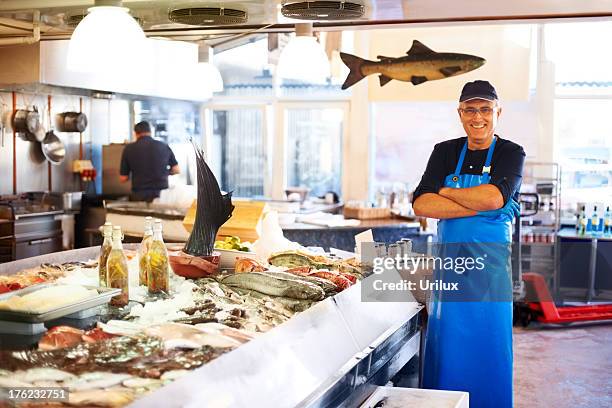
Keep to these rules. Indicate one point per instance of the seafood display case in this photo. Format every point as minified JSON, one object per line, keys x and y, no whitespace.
{"x":333,"y":354}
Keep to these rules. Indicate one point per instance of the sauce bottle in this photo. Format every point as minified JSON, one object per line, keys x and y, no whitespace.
{"x":104,"y":251}
{"x":117,"y":270}
{"x":582,"y":222}
{"x":143,"y":251}
{"x":158,"y":278}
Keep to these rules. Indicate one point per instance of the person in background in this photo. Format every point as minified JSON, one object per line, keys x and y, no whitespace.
{"x":149,"y":162}
{"x":471,"y":185}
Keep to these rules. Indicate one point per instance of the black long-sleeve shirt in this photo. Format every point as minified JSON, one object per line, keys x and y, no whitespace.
{"x":506,"y":166}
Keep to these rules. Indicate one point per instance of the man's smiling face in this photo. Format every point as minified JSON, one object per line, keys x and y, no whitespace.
{"x":479,"y":119}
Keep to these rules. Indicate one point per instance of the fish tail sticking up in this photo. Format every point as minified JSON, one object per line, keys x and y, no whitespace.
{"x":354,"y":64}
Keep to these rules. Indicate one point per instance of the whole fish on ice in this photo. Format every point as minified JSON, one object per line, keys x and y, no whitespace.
{"x":421,"y":64}
{"x":94,"y":380}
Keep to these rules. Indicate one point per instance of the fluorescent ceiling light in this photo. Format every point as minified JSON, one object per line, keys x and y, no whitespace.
{"x":108,"y":39}
{"x":303,"y":58}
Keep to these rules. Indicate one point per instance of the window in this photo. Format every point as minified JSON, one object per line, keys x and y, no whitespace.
{"x":256,"y":123}
{"x":175,"y":123}
{"x":246,"y":70}
{"x":314,"y":149}
{"x":584,"y":149}
{"x":237,"y":150}
{"x":583,"y":102}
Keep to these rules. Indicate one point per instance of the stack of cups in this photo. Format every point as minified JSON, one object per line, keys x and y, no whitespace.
{"x":381,"y":249}
{"x":406,"y":244}
{"x":393,"y":250}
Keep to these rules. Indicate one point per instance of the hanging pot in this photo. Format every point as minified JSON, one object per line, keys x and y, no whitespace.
{"x":53,"y":148}
{"x":26,"y":121}
{"x":71,"y":122}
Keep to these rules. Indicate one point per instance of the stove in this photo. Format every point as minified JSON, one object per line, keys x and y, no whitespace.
{"x":28,"y":227}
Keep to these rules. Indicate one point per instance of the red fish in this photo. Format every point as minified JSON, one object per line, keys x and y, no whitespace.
{"x":334,"y":278}
{"x":60,"y":337}
{"x":95,"y":335}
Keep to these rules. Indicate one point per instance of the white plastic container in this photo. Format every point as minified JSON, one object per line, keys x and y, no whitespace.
{"x":417,"y":397}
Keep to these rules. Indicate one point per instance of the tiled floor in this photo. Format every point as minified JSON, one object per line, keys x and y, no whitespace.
{"x":562,"y":367}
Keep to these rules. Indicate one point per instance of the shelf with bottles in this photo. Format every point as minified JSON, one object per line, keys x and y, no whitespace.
{"x":596,"y":224}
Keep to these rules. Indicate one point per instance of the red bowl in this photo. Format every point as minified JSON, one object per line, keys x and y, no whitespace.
{"x":194,"y":267}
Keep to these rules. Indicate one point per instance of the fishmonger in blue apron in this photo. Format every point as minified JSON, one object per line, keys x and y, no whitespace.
{"x":471,"y":184}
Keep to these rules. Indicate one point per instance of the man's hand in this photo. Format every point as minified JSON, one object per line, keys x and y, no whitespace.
{"x":484,"y":197}
{"x":512,"y":209}
{"x":124,"y":179}
{"x":175,"y":169}
{"x":435,"y":206}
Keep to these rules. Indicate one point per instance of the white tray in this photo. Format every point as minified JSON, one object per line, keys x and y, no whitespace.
{"x":397,"y":397}
{"x":104,"y":295}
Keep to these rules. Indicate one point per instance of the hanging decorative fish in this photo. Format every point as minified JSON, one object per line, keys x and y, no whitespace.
{"x":212,"y":211}
{"x":421,"y":64}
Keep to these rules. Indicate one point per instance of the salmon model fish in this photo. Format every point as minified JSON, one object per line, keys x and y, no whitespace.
{"x":421,"y":64}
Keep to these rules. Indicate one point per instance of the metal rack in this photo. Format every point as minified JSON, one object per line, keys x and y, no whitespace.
{"x":538,"y":223}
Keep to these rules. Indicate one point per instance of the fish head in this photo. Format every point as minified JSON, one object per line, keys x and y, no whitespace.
{"x":473,"y":62}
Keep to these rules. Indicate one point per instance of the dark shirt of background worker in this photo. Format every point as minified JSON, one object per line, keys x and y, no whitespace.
{"x":149,"y":162}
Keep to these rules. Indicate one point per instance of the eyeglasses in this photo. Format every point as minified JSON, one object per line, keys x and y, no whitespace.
{"x":471,"y":112}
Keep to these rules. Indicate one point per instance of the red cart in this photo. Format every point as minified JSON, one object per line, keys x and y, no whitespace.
{"x":541,"y":306}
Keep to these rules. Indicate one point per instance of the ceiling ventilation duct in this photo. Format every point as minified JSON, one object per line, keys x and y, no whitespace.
{"x":323,"y":10}
{"x":73,"y":18}
{"x":207,"y":16}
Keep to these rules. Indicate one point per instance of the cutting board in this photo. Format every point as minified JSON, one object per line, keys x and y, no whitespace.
{"x":244,"y":221}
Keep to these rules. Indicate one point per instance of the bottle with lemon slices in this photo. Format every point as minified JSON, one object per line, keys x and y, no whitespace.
{"x":117,"y":270}
{"x":158,"y":278}
{"x":143,"y":252}
{"x":104,"y":252}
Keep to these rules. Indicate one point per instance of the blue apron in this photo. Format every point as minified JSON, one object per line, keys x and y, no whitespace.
{"x":468,"y":344}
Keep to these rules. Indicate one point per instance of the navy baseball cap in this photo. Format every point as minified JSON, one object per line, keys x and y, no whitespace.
{"x":478,"y":90}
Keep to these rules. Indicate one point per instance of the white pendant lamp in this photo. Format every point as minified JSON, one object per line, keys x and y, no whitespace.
{"x":207,"y":73}
{"x":303,"y":58}
{"x":108,"y":40}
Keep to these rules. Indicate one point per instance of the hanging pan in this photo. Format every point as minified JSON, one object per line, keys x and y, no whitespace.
{"x":71,"y":122}
{"x":53,"y":148}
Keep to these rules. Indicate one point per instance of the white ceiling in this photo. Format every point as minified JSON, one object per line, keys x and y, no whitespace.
{"x":264,"y":14}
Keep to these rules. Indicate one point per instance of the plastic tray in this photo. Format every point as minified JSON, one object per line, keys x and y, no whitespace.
{"x":416,"y":397}
{"x":104,"y":295}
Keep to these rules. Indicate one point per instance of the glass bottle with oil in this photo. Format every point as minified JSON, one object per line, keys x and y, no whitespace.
{"x":117,"y":270}
{"x":107,"y":232}
{"x":158,"y":279}
{"x":582,"y":222}
{"x":143,"y":252}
